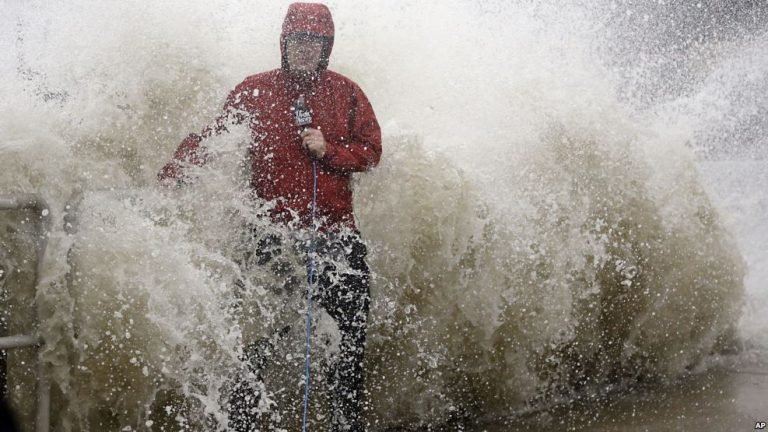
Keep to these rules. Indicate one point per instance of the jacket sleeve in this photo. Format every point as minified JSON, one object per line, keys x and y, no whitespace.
{"x":362,"y":150}
{"x":191,"y":151}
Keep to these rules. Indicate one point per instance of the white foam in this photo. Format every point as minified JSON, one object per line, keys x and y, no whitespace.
{"x":517,"y":199}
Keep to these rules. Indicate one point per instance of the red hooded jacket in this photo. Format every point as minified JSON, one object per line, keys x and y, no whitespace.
{"x":280,"y":168}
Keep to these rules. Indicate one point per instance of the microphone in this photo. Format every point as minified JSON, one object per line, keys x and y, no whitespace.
{"x":302,"y":115}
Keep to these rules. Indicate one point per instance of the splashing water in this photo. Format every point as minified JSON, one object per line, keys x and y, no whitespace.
{"x":536,"y":230}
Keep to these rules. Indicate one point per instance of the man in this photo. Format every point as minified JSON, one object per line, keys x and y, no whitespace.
{"x":298,"y":115}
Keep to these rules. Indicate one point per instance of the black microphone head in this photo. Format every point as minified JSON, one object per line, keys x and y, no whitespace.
{"x":302,"y":116}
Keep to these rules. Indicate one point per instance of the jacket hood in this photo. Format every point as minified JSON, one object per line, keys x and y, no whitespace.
{"x":311,"y":19}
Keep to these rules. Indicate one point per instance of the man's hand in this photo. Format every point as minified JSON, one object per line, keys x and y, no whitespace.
{"x":314,"y":143}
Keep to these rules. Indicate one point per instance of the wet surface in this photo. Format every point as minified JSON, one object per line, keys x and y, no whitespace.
{"x":732,"y":396}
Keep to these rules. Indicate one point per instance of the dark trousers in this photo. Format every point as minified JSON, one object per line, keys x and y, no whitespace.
{"x":345,"y":295}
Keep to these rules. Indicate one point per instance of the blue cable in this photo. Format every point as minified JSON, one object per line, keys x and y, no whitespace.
{"x":310,"y":283}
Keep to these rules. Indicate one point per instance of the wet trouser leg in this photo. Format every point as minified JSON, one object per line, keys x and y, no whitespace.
{"x":347,"y":302}
{"x":247,"y":385}
{"x":245,"y":393}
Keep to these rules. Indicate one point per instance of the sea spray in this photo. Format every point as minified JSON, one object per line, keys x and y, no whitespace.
{"x":531,"y":237}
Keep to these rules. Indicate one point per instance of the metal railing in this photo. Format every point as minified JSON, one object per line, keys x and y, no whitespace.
{"x":37,"y":206}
